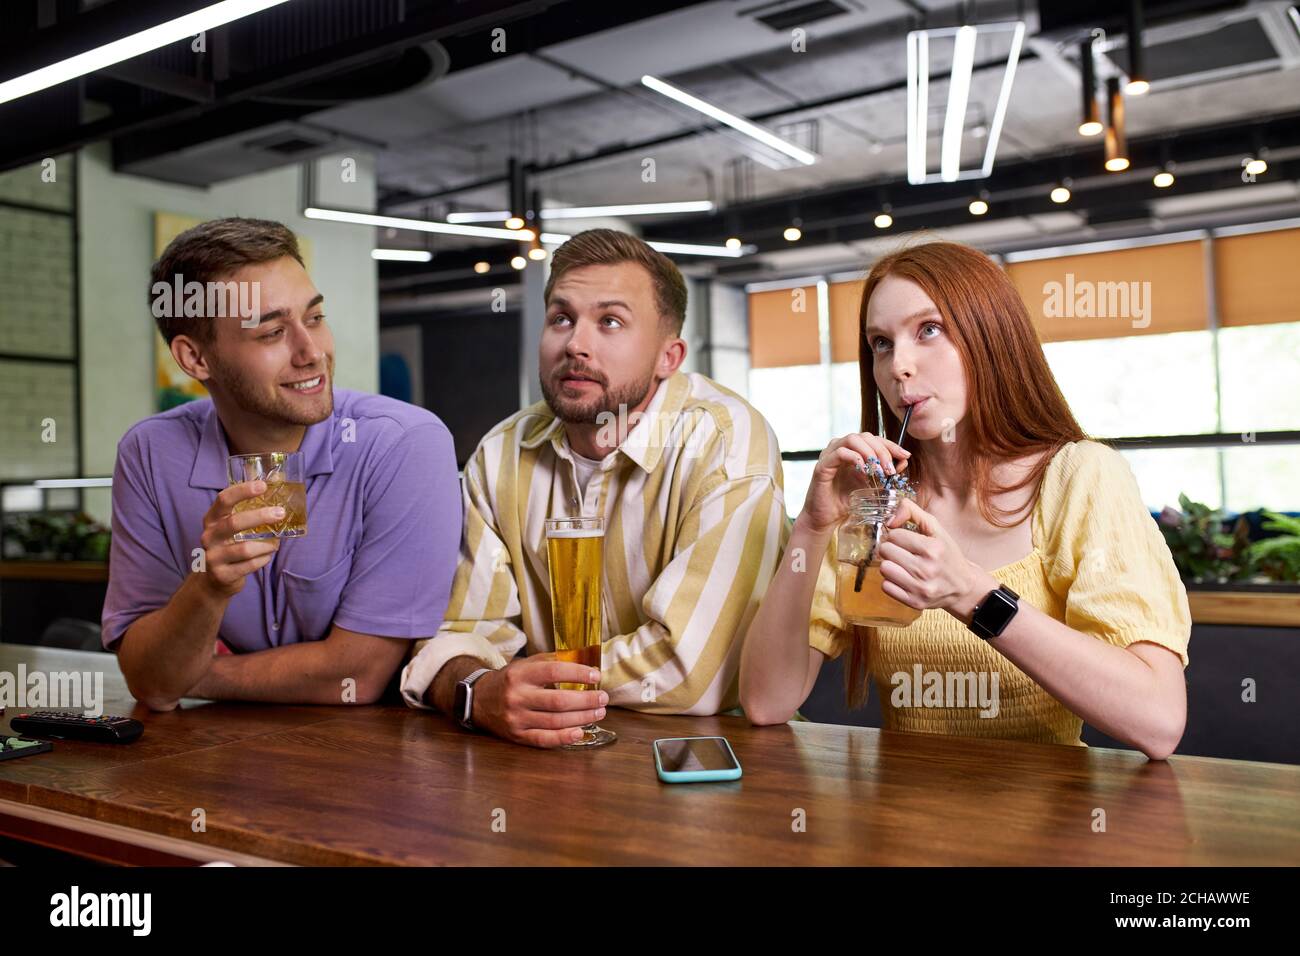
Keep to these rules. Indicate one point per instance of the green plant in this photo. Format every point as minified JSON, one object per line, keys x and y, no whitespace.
{"x":1279,"y":556}
{"x":69,"y":536}
{"x":1201,"y":549}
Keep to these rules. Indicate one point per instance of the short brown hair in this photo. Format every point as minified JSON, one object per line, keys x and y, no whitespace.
{"x":608,"y":247}
{"x":210,"y":252}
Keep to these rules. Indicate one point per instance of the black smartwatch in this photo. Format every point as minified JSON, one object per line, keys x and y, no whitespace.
{"x":994,"y":613}
{"x":464,"y":707}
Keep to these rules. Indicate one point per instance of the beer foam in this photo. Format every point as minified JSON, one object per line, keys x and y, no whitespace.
{"x":574,"y":533}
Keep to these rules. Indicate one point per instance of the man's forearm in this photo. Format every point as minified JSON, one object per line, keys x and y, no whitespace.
{"x":165,"y":652}
{"x":441,"y":694}
{"x":312,"y":672}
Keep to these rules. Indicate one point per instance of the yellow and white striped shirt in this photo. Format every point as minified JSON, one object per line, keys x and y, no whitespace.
{"x":694,"y":525}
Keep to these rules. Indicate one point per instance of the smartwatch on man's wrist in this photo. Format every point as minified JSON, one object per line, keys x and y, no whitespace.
{"x":463,"y":709}
{"x":994,"y":613}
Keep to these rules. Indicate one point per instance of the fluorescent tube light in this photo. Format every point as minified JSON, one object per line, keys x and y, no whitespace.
{"x":402,"y":255}
{"x":134,"y":45}
{"x":738,"y":123}
{"x":963,"y":60}
{"x":418,"y":225}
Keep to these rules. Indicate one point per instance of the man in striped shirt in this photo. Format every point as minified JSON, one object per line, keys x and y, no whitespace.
{"x":685,"y":474}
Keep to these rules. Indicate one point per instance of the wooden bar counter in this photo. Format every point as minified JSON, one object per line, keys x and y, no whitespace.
{"x":388,"y":785}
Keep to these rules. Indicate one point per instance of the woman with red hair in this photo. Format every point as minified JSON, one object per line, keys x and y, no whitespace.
{"x":1034,"y":563}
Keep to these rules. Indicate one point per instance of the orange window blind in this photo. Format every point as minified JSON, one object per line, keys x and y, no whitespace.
{"x":1102,"y":295}
{"x":1257,"y":277}
{"x":783,"y":327}
{"x":846,"y":300}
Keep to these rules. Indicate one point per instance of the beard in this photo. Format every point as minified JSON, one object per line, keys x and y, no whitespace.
{"x":587,"y":411}
{"x":251,"y":399}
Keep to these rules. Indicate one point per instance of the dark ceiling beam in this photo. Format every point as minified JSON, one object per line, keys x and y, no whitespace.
{"x":846,"y":213}
{"x":836,"y":209}
{"x":1120,"y":202}
{"x":451,"y":269}
{"x":162,"y":81}
{"x":500,"y":277}
{"x":426,"y":20}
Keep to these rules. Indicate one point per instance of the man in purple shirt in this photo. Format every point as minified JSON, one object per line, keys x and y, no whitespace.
{"x":325,"y":618}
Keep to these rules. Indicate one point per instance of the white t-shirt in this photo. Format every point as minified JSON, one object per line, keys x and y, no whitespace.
{"x":585,"y":468}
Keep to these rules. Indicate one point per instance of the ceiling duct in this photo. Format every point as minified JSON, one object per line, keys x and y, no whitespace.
{"x":211,"y":153}
{"x":1210,"y":48}
{"x":786,"y":15}
{"x":1200,"y":49}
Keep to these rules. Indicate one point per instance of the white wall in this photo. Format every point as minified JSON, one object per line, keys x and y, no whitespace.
{"x":117,"y":251}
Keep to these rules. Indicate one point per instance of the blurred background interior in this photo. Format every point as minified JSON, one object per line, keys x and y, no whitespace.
{"x":774,"y":148}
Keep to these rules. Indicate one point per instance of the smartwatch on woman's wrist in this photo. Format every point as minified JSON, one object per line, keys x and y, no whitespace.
{"x":994,"y":613}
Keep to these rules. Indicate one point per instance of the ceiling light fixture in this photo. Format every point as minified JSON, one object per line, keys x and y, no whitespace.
{"x":402,"y":255}
{"x":963,"y":62}
{"x":136,"y":44}
{"x":1091,"y":124}
{"x":738,"y":123}
{"x":1137,"y":83}
{"x":964,"y":39}
{"x":1116,"y":140}
{"x":488,"y":232}
{"x":418,"y":225}
{"x":593,"y":212}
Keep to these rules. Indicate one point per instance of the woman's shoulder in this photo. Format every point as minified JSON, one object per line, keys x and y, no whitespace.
{"x":1087,"y":484}
{"x":1079,"y":466}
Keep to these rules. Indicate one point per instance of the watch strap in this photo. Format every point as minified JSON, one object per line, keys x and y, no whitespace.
{"x":465,"y":699}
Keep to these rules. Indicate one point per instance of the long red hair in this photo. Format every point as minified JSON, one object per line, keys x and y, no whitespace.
{"x":1014,"y":408}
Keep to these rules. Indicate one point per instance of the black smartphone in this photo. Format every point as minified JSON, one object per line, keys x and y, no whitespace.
{"x":14,"y":747}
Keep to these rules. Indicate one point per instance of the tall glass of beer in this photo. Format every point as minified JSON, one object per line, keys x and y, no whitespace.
{"x":285,"y":486}
{"x":575,"y":552}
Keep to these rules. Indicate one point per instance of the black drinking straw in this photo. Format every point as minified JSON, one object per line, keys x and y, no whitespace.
{"x":902,"y":432}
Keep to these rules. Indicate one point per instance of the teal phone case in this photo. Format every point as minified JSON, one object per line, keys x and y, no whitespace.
{"x":695,"y":776}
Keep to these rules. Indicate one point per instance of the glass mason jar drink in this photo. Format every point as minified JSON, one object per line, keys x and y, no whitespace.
{"x":858,"y":594}
{"x":575,"y":553}
{"x":283,"y":473}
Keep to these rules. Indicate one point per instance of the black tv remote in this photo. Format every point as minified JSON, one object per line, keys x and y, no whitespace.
{"x":69,"y":725}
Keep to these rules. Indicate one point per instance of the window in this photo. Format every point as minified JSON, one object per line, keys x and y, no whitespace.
{"x":39,"y":354}
{"x":1259,"y":375}
{"x":1164,"y":473}
{"x":795,"y":400}
{"x":1261,"y":476}
{"x":1129,"y":336}
{"x":1144,"y":385}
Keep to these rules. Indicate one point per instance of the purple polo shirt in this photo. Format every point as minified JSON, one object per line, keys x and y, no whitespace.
{"x":383,"y":525}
